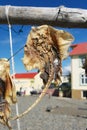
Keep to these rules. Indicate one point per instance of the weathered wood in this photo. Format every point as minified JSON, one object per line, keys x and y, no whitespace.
{"x":59,"y":16}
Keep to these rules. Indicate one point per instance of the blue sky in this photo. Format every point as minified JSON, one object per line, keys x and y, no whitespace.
{"x":19,"y":39}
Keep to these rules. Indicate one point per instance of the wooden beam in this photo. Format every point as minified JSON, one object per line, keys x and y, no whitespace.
{"x":59,"y":16}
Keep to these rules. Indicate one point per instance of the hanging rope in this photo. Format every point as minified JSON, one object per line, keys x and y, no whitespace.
{"x":12,"y":57}
{"x":16,"y":53}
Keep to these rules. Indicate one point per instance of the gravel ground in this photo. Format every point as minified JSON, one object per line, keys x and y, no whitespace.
{"x":52,"y":113}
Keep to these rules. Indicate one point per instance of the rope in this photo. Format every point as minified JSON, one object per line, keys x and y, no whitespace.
{"x":12,"y":58}
{"x":16,"y":53}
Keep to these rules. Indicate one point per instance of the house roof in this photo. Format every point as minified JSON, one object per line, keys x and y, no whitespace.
{"x":79,"y":49}
{"x":25,"y":75}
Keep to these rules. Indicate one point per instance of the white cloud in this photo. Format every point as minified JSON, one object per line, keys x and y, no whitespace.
{"x":66,"y":69}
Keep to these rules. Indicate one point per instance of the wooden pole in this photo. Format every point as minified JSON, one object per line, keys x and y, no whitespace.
{"x":59,"y":16}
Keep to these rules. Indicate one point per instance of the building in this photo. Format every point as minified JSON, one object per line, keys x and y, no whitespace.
{"x":27,"y":82}
{"x":78,"y":76}
{"x":65,"y":78}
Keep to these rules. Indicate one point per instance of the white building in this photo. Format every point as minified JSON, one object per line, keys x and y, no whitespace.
{"x":79,"y":79}
{"x":27,"y":82}
{"x":65,"y":78}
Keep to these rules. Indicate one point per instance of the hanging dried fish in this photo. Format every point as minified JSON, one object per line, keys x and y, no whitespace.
{"x":7,"y":92}
{"x":45,"y":49}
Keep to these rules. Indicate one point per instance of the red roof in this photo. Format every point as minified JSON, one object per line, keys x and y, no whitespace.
{"x":79,"y":49}
{"x":25,"y":75}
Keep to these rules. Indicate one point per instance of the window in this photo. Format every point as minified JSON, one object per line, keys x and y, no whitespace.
{"x":84,"y":94}
{"x":82,"y":60}
{"x":83,"y":79}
